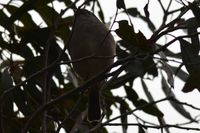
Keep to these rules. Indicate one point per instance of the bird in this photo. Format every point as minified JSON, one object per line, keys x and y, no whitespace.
{"x":91,"y":38}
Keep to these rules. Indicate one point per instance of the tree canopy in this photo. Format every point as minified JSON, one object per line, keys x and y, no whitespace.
{"x":39,"y":90}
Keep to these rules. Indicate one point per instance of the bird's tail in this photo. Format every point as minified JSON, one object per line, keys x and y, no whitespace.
{"x":94,"y":109}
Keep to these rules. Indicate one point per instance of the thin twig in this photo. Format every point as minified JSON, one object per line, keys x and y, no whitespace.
{"x":155,"y":127}
{"x":184,"y":103}
{"x":10,"y":90}
{"x":154,"y":36}
{"x":82,"y":88}
{"x":127,"y":113}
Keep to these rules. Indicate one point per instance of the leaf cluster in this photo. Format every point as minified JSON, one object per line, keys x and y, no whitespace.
{"x":36,"y":74}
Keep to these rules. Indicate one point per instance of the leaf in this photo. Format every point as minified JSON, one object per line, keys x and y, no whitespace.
{"x":169,"y":53}
{"x":141,"y":130}
{"x":151,"y":99}
{"x":32,"y":65}
{"x":178,"y":107}
{"x":21,"y":102}
{"x":3,"y":19}
{"x":167,"y":68}
{"x":133,"y":12}
{"x":180,"y":73}
{"x":16,"y":72}
{"x":126,"y":32}
{"x":121,"y":4}
{"x":196,"y":10}
{"x":100,"y":12}
{"x":6,"y":83}
{"x":131,"y":94}
{"x":150,"y":66}
{"x":7,"y":110}
{"x":138,"y":66}
{"x":21,"y":11}
{"x":148,"y":94}
{"x":123,"y":109}
{"x":192,"y":82}
{"x":26,"y":18}
{"x":121,"y":80}
{"x":146,"y":10}
{"x":192,"y":26}
{"x":149,"y":109}
{"x":189,"y":56}
{"x":48,"y":14}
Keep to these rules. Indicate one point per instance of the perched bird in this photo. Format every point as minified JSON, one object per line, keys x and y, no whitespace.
{"x":94,"y":47}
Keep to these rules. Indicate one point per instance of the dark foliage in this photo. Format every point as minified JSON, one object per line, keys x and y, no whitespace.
{"x":37,"y":91}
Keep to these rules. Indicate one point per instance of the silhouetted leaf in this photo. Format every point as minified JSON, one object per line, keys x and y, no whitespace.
{"x":189,"y":56}
{"x":133,"y":12}
{"x":100,"y":12}
{"x":180,"y":73}
{"x":141,"y":130}
{"x":121,"y":4}
{"x":149,"y":109}
{"x":196,"y":10}
{"x":151,"y":99}
{"x":21,"y":11}
{"x":178,"y":107}
{"x":121,"y":81}
{"x":146,"y":10}
{"x":7,"y":110}
{"x":192,"y":26}
{"x":131,"y":94}
{"x":48,"y":14}
{"x":126,"y":32}
{"x":192,"y":82}
{"x":26,"y":18}
{"x":167,"y":68}
{"x":123,"y":109}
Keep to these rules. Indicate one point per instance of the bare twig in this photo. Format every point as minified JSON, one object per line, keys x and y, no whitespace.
{"x":81,"y":88}
{"x":128,"y":113}
{"x":155,"y":127}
